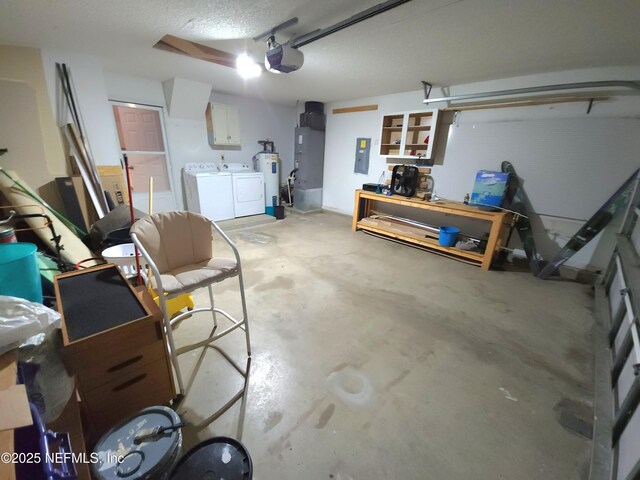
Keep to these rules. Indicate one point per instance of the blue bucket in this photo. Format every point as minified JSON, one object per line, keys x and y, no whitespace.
{"x":19,"y":274}
{"x":448,"y":236}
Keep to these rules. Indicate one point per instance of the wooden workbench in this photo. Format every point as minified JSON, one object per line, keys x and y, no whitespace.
{"x":498,"y":223}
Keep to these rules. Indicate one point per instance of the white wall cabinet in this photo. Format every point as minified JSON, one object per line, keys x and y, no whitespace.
{"x":409,"y":135}
{"x":223,"y":125}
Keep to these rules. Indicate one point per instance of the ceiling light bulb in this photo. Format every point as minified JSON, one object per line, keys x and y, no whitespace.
{"x":247,"y":67}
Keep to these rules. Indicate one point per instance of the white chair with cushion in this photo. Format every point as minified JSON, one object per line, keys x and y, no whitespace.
{"x":178,"y":249}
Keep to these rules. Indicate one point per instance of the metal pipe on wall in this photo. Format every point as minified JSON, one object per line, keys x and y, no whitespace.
{"x":632,"y":84}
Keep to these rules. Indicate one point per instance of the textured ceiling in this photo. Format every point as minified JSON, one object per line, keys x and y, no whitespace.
{"x":444,"y":42}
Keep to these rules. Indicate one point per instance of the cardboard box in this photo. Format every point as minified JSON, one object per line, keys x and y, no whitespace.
{"x":86,"y":205}
{"x":112,"y":180}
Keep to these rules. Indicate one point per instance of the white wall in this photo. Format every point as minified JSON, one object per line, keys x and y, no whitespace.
{"x":187,"y":139}
{"x":21,"y":135}
{"x":91,"y":96}
{"x":136,"y":90}
{"x":571,"y":162}
{"x":339,"y":181}
{"x":260,"y":121}
{"x":35,"y":148}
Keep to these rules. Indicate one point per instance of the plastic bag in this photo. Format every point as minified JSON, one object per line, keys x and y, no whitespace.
{"x":21,"y":319}
{"x":48,"y":385}
{"x":34,"y":328}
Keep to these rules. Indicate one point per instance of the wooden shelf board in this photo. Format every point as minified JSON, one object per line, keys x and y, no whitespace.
{"x":416,"y":145}
{"x":393,"y":128}
{"x":400,"y":226}
{"x":441,"y":206}
{"x":424,"y":242}
{"x":419,"y":128}
{"x":426,"y":170}
{"x":399,"y":156}
{"x":361,"y":108}
{"x":427,"y":249}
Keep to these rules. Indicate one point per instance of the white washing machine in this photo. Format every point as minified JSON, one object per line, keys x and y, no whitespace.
{"x":208,"y":192}
{"x":248,"y":189}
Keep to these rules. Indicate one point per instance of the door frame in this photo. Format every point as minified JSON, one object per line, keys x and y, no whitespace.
{"x":163,"y":127}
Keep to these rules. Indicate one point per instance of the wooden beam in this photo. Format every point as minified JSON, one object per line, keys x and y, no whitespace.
{"x":362,"y":108}
{"x":420,"y":169}
{"x":169,"y":43}
{"x":523,"y":103}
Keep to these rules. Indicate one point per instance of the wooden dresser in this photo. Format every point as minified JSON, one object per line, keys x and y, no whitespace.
{"x":114,"y":344}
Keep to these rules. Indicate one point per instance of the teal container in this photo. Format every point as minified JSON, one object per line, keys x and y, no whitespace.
{"x":19,"y":274}
{"x":448,"y":236}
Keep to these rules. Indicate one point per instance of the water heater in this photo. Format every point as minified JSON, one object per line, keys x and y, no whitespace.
{"x":268,"y":163}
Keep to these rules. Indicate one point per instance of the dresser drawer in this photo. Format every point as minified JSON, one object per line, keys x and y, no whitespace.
{"x":100,"y":373}
{"x":112,"y":347}
{"x":146,"y":386}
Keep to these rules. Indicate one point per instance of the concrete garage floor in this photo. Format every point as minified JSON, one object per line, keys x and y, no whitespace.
{"x":373,"y":360}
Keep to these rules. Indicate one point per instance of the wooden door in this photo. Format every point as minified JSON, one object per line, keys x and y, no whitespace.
{"x":142,"y":138}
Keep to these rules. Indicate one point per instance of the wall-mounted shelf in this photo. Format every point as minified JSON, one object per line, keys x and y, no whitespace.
{"x":409,"y":135}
